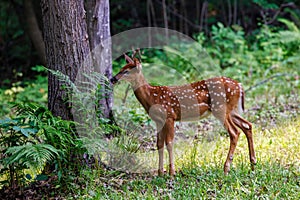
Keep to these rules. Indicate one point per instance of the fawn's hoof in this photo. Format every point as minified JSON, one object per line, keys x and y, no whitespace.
{"x":172,"y":172}
{"x":160,"y":172}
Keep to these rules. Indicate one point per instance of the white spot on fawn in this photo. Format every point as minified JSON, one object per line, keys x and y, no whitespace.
{"x":246,"y":126}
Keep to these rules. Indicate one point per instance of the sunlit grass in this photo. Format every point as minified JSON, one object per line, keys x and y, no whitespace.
{"x":278,"y":144}
{"x":200,"y":171}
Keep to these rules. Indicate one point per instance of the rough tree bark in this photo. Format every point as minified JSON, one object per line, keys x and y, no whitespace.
{"x":69,"y":37}
{"x":99,"y":37}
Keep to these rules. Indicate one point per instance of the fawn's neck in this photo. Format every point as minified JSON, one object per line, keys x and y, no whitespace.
{"x":141,"y":89}
{"x":138,"y":82}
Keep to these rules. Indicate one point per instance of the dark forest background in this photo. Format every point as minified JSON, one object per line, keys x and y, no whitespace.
{"x":21,"y":45}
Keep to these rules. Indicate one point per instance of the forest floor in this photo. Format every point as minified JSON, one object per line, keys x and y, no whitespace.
{"x":199,"y":171}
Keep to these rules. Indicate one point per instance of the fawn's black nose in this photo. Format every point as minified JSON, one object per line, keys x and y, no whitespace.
{"x":113,"y":80}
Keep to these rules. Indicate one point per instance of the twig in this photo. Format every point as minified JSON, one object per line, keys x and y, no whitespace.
{"x":266,"y":80}
{"x":126,"y":94}
{"x":282,"y":6}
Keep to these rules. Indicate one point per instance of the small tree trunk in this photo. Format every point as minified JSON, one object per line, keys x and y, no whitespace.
{"x":100,"y":46}
{"x":34,"y":31}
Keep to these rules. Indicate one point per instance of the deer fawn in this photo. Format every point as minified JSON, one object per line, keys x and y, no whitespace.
{"x":221,"y":96}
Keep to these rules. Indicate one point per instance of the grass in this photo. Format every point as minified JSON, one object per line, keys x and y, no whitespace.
{"x":200,"y":172}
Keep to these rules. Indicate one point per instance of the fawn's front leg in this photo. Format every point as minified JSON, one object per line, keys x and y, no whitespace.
{"x":166,"y":136}
{"x":160,"y":148}
{"x":168,"y":130}
{"x":234,"y":136}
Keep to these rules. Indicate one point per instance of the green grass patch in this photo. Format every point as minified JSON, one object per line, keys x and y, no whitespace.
{"x":200,"y":172}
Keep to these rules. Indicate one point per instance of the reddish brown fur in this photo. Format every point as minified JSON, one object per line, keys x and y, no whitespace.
{"x":220,"y":96}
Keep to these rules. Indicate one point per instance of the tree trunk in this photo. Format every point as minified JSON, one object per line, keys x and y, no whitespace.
{"x":69,"y":39}
{"x":100,"y":45}
{"x":34,"y":31}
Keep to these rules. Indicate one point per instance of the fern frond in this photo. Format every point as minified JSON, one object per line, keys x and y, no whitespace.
{"x":290,"y":25}
{"x":289,"y":36}
{"x":64,"y":79}
{"x":24,"y":108}
{"x":31,"y":155}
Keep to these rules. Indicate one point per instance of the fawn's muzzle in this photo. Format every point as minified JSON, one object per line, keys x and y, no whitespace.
{"x":113,"y":80}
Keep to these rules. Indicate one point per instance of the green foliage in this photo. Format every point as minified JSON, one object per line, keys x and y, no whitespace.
{"x":290,"y":38}
{"x":31,"y":91}
{"x":229,"y":45}
{"x":266,"y":4}
{"x":34,"y":139}
{"x":30,"y":155}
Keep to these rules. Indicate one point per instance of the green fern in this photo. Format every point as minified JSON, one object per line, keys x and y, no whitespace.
{"x":65,"y":79}
{"x":88,"y":82}
{"x":290,"y":25}
{"x":31,"y":155}
{"x":290,"y":35}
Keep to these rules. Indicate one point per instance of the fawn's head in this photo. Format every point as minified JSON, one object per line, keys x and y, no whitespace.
{"x":129,"y":72}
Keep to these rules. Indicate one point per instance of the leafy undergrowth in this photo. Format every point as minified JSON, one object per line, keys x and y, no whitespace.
{"x":200,"y":175}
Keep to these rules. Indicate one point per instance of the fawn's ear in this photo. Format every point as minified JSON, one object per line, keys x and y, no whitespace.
{"x":138,"y":64}
{"x":128,"y":59}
